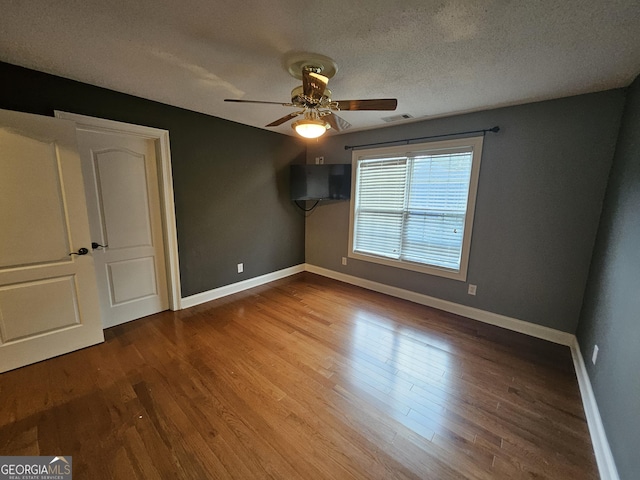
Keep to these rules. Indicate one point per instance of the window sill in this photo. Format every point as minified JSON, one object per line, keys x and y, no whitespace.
{"x":460,"y":275}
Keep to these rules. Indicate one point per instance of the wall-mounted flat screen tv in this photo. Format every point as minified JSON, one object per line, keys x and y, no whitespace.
{"x":321,"y":182}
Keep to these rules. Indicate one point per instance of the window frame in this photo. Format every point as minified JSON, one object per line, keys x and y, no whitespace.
{"x":475,"y":145}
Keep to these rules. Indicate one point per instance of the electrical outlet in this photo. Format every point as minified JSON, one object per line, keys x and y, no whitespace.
{"x":472,"y":289}
{"x":594,"y":356}
{"x":240,"y":267}
{"x":344,"y":260}
{"x":319,"y":160}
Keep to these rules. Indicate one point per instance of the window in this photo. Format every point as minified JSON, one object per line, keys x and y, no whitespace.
{"x":412,"y":205}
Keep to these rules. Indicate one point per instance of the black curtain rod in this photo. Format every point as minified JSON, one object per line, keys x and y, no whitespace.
{"x":495,"y":129}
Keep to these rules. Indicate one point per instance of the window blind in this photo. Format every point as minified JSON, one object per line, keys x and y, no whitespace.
{"x":413,"y":208}
{"x":380,"y":203}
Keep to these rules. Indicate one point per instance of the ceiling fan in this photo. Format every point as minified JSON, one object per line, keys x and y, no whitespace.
{"x":313,"y":98}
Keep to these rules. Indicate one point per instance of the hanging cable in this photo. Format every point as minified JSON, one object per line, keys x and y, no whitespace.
{"x":306,"y":209}
{"x":407,"y":141}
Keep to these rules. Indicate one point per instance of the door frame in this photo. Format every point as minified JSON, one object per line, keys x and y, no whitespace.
{"x":165,"y":187}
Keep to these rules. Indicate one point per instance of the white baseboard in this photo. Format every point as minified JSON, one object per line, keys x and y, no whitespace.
{"x":509,"y":323}
{"x":531,"y":329}
{"x":198,"y":298}
{"x":604,"y":457}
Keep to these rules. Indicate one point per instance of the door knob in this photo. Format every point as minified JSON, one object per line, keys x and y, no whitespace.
{"x":95,"y":245}
{"x":81,"y":251}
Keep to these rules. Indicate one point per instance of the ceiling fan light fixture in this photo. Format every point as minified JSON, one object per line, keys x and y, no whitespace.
{"x":310,"y":128}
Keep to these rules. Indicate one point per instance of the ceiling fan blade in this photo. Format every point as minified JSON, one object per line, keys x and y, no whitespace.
{"x":286,"y":118}
{"x":375,"y":104}
{"x":313,"y":84}
{"x":336,"y":122}
{"x":257,"y":101}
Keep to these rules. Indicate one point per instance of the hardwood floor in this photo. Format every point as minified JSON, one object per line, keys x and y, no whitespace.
{"x":304,"y":378}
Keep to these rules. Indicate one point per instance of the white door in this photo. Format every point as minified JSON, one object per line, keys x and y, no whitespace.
{"x":121,"y":184}
{"x":48,"y":298}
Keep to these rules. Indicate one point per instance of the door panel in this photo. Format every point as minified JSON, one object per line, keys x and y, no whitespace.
{"x":48,"y":298}
{"x":132,"y":280}
{"x":121,"y":182}
{"x":23,"y":315}
{"x":32,"y":162}
{"x":123,"y":197}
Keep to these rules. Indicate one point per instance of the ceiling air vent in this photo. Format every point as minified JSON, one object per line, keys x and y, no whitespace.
{"x":397,"y":118}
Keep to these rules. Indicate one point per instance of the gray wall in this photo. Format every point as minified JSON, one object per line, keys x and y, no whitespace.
{"x":611,"y":313}
{"x":230,"y":181}
{"x":542,"y":182}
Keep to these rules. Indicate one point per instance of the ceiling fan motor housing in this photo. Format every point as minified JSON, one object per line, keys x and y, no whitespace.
{"x":299,"y":99}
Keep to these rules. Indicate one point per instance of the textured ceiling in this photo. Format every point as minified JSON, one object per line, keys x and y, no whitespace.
{"x":436,"y":57}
